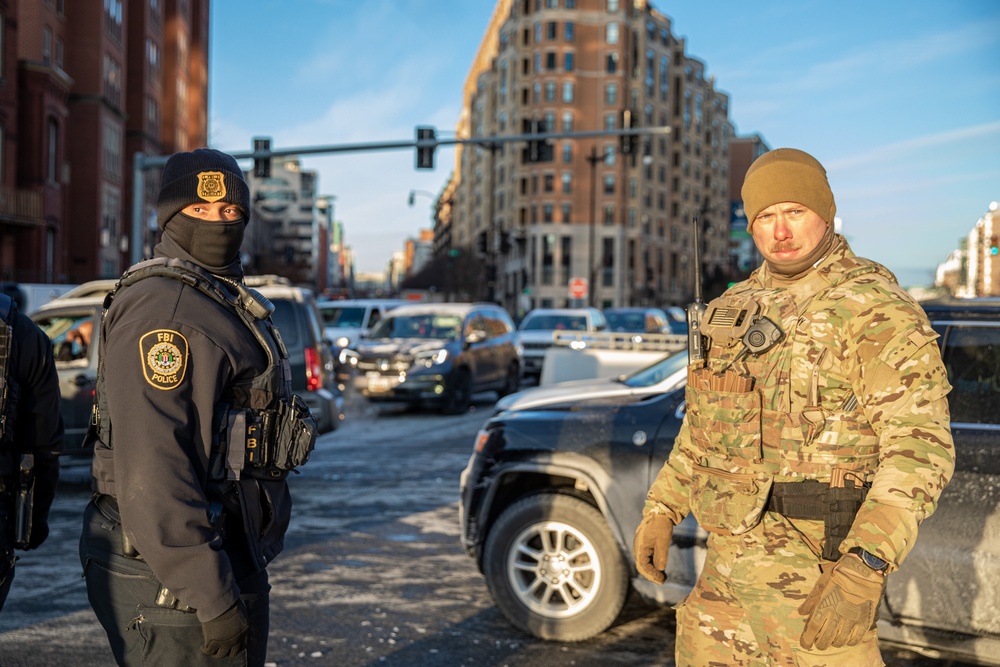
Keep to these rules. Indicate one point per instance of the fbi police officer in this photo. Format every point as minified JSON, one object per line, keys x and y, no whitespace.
{"x":816,"y":440}
{"x":195,"y":430}
{"x":31,"y":435}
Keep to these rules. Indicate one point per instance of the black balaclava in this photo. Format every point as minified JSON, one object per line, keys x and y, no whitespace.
{"x":202,"y":175}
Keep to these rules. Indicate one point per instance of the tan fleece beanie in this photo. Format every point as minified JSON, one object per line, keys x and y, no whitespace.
{"x":787,"y":174}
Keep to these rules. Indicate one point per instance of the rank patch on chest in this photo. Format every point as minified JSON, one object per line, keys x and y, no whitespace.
{"x":164,"y":358}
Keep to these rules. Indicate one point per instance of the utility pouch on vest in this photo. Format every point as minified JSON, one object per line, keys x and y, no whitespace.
{"x":842,"y":505}
{"x":728,"y":503}
{"x":269,"y":443}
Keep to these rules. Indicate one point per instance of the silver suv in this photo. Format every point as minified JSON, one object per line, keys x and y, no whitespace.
{"x":535,"y":332}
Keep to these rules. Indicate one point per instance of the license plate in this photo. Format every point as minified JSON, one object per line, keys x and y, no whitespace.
{"x":379,"y":384}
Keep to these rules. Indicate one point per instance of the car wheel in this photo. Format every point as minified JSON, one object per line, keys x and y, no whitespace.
{"x":554,"y":569}
{"x":460,"y":393}
{"x":512,"y":381}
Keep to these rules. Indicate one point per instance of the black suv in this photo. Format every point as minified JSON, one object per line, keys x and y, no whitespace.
{"x":554,"y":490}
{"x":439,"y":354}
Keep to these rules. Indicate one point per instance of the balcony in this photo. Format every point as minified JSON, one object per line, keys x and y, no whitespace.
{"x":19,"y":206}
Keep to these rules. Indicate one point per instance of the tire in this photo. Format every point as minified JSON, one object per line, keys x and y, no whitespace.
{"x":576,"y":603}
{"x":459,"y":394}
{"x":512,"y":381}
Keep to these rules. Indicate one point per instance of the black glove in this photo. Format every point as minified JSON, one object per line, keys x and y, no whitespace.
{"x":226,"y":635}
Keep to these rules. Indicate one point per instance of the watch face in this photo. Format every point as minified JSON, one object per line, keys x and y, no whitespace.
{"x":873,"y":561}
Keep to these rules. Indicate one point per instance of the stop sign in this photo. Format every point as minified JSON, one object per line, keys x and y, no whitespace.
{"x":578,"y":288}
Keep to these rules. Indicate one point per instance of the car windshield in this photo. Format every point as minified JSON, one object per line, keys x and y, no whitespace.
{"x":424,"y":325}
{"x":343,"y":316}
{"x":635,"y":322}
{"x":657,"y":372}
{"x":554,"y":322}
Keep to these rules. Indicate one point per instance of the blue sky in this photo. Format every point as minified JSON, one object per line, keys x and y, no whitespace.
{"x":899,"y":99}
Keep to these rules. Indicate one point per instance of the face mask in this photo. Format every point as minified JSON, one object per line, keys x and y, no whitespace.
{"x":210,"y":243}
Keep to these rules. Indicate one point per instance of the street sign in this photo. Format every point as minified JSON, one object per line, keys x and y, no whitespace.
{"x":578,"y":288}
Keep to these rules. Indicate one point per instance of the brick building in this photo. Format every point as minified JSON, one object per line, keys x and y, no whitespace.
{"x":86,"y":84}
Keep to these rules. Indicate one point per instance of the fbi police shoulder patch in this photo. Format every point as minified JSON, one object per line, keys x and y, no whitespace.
{"x":164,"y":358}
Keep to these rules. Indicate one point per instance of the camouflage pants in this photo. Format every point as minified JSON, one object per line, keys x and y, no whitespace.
{"x":743,"y":610}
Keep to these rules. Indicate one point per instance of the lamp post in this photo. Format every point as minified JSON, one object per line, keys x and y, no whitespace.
{"x":593,"y":159}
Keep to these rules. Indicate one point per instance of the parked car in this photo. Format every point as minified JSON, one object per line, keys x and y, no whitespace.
{"x":536,"y":330}
{"x":561,"y":482}
{"x":637,"y":320}
{"x":348,"y":320}
{"x":297,"y":319}
{"x":438,"y":354}
{"x":73,"y":324}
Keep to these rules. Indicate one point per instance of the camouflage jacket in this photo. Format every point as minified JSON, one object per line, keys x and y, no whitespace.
{"x":856,"y":384}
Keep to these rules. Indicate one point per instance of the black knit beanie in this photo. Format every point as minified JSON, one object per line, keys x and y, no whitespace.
{"x":203,"y":175}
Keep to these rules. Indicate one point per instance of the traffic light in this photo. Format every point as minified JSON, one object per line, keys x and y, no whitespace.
{"x":425,"y":150}
{"x":629,"y":142}
{"x":481,"y":242}
{"x":994,"y":248}
{"x":261,"y":165}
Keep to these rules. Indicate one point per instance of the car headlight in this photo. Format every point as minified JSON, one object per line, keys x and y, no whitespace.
{"x":348,"y":357}
{"x":431,"y":358}
{"x":342,"y":342}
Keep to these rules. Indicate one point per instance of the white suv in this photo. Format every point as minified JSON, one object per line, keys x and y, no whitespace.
{"x":536,"y":331}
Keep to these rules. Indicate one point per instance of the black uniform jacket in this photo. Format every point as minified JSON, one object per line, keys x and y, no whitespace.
{"x":38,"y":425}
{"x":170,"y":354}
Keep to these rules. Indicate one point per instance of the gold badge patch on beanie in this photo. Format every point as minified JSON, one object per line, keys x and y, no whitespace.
{"x":211,"y":186}
{"x":164,"y":358}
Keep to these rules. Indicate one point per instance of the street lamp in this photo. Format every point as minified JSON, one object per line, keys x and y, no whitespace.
{"x":413,"y":196}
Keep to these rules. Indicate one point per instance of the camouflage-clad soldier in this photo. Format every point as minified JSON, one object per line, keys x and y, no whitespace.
{"x":816,"y":440}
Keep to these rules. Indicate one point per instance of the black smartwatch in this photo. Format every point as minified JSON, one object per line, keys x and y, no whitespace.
{"x":870,"y":559}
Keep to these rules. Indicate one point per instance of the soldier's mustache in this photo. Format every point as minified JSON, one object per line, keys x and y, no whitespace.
{"x":784,"y":246}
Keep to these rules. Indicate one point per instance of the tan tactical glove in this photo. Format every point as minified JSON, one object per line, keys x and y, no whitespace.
{"x":651,"y":544}
{"x":841,"y":608}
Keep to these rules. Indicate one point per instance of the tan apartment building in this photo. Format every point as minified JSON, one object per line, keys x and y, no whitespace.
{"x":586,"y":209}
{"x":85,"y":85}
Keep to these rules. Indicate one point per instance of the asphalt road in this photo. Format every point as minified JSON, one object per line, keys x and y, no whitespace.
{"x":372,"y":574}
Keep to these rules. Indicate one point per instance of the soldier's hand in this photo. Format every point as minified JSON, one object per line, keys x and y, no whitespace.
{"x":841,"y":607}
{"x":651,"y":544}
{"x":226,"y":635}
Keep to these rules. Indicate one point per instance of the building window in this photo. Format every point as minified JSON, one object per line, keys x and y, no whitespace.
{"x":550,"y":91}
{"x":547,"y":211}
{"x":568,"y":92}
{"x":567,"y":151}
{"x":609,"y":184}
{"x":538,"y":33}
{"x":550,"y":61}
{"x":611,"y":94}
{"x":611,"y":33}
{"x":569,"y":63}
{"x":612,"y":6}
{"x":570,"y":4}
{"x":612,"y":63}
{"x":550,"y":30}
{"x":113,"y":19}
{"x":112,"y":151}
{"x":567,"y":121}
{"x":569,"y":31}
{"x":548,"y":182}
{"x":47,"y":45}
{"x":60,"y":53}
{"x":609,"y":215}
{"x":52,"y":156}
{"x":567,"y":212}
{"x":610,"y":121}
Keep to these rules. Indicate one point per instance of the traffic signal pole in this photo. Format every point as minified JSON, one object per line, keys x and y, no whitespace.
{"x":425,"y":142}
